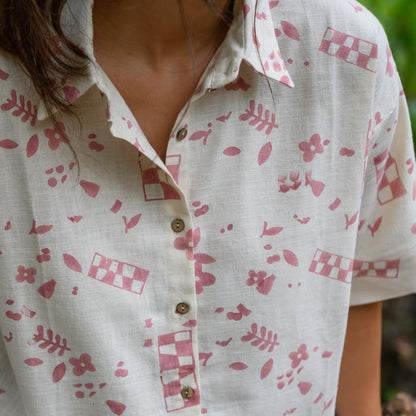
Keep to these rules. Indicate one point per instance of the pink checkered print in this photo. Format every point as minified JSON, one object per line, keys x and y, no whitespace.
{"x":332,"y":266}
{"x":118,"y":274}
{"x":155,"y":181}
{"x":350,"y":49}
{"x":177,"y":369}
{"x":383,"y":268}
{"x":389,"y":183}
{"x":173,"y":164}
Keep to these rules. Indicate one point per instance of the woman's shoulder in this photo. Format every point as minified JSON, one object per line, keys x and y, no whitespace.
{"x":311,"y":20}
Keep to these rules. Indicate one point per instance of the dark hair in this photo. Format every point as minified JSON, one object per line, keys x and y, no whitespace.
{"x":31,"y":31}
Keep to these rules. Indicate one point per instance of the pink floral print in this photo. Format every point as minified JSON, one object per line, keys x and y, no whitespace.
{"x":56,"y":135}
{"x":188,"y":243}
{"x":82,"y":364}
{"x":298,"y":356}
{"x":312,"y":148}
{"x":24,"y":274}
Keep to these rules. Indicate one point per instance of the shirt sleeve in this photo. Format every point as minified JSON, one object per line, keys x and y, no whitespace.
{"x":10,"y":401}
{"x":385,"y":255}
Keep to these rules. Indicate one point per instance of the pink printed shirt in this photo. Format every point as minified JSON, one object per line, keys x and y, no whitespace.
{"x":217,"y":282}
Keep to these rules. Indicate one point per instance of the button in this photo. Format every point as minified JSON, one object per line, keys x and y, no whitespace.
{"x":178,"y":225}
{"x":187,"y":392}
{"x":182,"y":308}
{"x":182,"y":133}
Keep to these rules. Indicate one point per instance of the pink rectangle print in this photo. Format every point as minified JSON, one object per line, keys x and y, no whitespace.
{"x":388,"y":269}
{"x":155,"y":181}
{"x":390,"y":186}
{"x":118,"y":274}
{"x":173,"y":164}
{"x":332,"y":265}
{"x":177,"y":369}
{"x":350,"y":49}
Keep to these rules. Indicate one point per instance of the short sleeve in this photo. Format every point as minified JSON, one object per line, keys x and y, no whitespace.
{"x":385,"y":255}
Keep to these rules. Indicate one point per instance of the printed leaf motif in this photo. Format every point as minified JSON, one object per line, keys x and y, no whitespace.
{"x":198,"y":135}
{"x":350,"y":221}
{"x":203,"y":258}
{"x":72,"y":263}
{"x":32,"y":145}
{"x":58,"y":372}
{"x":48,"y":342}
{"x":131,"y":223}
{"x":232,"y":151}
{"x":290,"y":30}
{"x":264,"y":153}
{"x":33,"y":362}
{"x":258,"y":119}
{"x":265,"y":371}
{"x":41,"y":229}
{"x":290,"y":258}
{"x":90,"y":188}
{"x":8,"y":144}
{"x":22,"y":108}
{"x":116,"y":407}
{"x":266,"y":339}
{"x":304,"y":387}
{"x":201,"y":135}
{"x":47,"y":289}
{"x":270,"y":231}
{"x":374,"y":228}
{"x":238,"y":366}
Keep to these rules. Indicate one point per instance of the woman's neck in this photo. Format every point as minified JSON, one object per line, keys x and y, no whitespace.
{"x":154,"y":30}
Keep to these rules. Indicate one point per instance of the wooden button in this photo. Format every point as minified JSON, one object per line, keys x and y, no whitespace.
{"x":182,"y":308}
{"x":182,"y":133}
{"x":187,"y":392}
{"x":178,"y":225}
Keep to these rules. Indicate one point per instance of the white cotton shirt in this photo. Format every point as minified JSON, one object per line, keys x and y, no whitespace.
{"x":218,"y":282}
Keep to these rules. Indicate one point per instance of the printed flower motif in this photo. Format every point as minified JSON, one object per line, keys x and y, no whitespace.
{"x":255,"y":278}
{"x":25,"y":274}
{"x":188,"y":243}
{"x":56,"y":135}
{"x":82,"y":364}
{"x":312,"y":148}
{"x":298,"y":356}
{"x":204,"y":279}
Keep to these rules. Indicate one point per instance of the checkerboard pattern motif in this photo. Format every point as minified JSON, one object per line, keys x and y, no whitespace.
{"x":173,"y":163}
{"x":177,"y":369}
{"x":118,"y":274}
{"x":332,"y":266}
{"x":389,"y":183}
{"x":384,"y":268}
{"x":350,"y":49}
{"x":155,"y":181}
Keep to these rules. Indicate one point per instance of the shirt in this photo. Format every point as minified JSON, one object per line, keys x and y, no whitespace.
{"x":219,"y":281}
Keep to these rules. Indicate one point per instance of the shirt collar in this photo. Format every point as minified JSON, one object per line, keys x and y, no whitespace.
{"x":251,"y":38}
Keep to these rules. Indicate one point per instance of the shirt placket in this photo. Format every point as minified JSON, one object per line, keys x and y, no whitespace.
{"x":177,"y":344}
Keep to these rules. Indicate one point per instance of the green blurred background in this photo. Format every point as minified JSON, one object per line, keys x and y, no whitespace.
{"x":399,"y":20}
{"x":399,"y":315}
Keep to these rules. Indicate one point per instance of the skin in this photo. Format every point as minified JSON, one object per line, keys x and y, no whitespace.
{"x":359,"y":382}
{"x":147,"y":59}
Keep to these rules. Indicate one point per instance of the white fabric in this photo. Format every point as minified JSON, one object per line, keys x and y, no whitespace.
{"x":294,"y":209}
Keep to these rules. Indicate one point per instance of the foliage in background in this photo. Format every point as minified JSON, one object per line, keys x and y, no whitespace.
{"x":398,"y":18}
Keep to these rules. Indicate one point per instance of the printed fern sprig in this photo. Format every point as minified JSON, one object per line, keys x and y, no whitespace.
{"x":263,"y":340}
{"x":23,"y":108}
{"x":262,"y":118}
{"x":48,"y":342}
